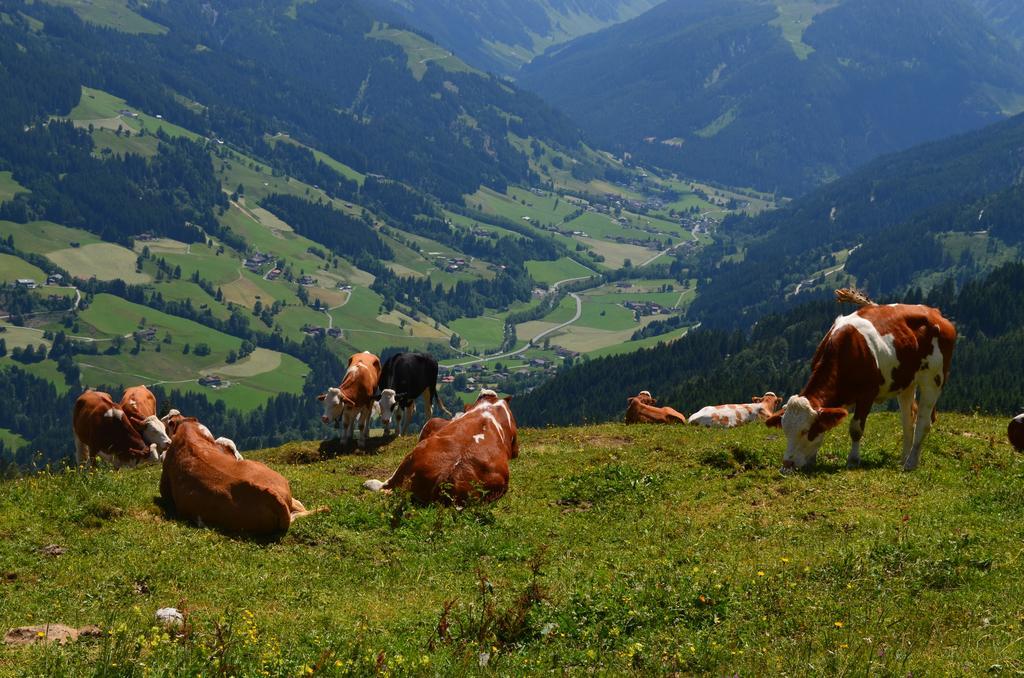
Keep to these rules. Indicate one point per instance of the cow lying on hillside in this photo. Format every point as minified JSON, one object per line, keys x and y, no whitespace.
{"x":870,"y":356}
{"x":354,"y":397}
{"x":139,"y":404}
{"x":404,"y":378}
{"x":460,"y":460}
{"x":641,"y":409}
{"x":173,"y":419}
{"x":102,"y":429}
{"x":730,"y":416}
{"x":204,"y":485}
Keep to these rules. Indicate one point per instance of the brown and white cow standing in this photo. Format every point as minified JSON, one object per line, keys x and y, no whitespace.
{"x":460,"y":460}
{"x":204,"y":485}
{"x":103,"y":430}
{"x":730,"y":416}
{"x":354,"y":398}
{"x":641,"y":409}
{"x":139,"y":405}
{"x":871,"y":356}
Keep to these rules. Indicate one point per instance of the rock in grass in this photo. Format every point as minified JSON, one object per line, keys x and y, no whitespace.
{"x":170,"y":616}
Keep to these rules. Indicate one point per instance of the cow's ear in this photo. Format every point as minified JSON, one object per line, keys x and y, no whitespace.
{"x":826,"y":419}
{"x":756,"y":399}
{"x":507,"y":399}
{"x":774,"y":421}
{"x":322,"y":397}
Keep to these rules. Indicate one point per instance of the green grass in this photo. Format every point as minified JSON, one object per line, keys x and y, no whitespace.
{"x":43,"y":237}
{"x":9,"y":187}
{"x":794,"y":16}
{"x":631,"y":346}
{"x":12,"y":268}
{"x":483,"y":332}
{"x":112,"y":14}
{"x":554,"y":271}
{"x":420,"y":51}
{"x":103,"y":260}
{"x":102,"y":109}
{"x":11,"y":440}
{"x":618,"y":551}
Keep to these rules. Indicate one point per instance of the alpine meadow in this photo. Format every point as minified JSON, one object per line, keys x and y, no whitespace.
{"x":493,"y":337}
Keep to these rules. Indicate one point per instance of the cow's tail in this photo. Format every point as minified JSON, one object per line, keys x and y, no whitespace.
{"x":440,"y":403}
{"x":850,"y":295}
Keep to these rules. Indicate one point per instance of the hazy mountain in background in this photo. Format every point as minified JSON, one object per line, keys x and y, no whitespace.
{"x":501,"y":35}
{"x":1007,"y":15}
{"x":783,"y":95}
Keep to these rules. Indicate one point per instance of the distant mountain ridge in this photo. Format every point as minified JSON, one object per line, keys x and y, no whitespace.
{"x":735,"y":91}
{"x":501,"y":35}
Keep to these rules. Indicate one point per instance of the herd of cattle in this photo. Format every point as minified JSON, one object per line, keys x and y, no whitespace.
{"x":873,"y":355}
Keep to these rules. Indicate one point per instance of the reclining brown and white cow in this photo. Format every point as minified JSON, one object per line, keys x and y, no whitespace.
{"x":870,"y":356}
{"x":204,"y":485}
{"x":103,"y":430}
{"x":139,"y":405}
{"x":730,"y":416}
{"x":641,"y":409}
{"x":174,"y":418}
{"x":353,"y":399}
{"x":460,"y":460}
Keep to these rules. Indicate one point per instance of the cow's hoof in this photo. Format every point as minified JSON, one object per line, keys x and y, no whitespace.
{"x":787,"y":470}
{"x":853,"y":463}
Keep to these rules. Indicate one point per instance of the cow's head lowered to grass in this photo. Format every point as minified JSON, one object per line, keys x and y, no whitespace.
{"x":805,"y":429}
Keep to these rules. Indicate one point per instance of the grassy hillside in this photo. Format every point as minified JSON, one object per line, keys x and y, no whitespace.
{"x":618,"y":549}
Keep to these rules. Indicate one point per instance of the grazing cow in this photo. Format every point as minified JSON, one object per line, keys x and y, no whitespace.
{"x":139,"y":404}
{"x":202,"y":484}
{"x":173,"y":419}
{"x":102,"y":429}
{"x":1015,"y":432}
{"x":730,"y":416}
{"x":460,"y":460}
{"x":870,"y":356}
{"x":641,"y":410}
{"x":354,"y":398}
{"x":404,"y":378}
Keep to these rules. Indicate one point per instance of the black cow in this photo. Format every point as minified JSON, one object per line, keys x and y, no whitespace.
{"x":404,"y":378}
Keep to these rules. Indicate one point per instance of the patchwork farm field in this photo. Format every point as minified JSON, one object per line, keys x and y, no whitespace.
{"x":618,"y":551}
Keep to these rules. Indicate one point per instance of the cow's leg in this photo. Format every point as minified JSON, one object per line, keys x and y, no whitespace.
{"x":929,"y":395}
{"x":407,"y":417}
{"x":429,"y":402}
{"x":81,"y":452}
{"x":347,"y":425}
{"x":364,"y":434}
{"x":857,"y":424}
{"x":908,"y":414}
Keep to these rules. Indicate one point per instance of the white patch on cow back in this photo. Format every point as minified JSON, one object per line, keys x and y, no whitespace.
{"x":489,"y":416}
{"x":114,"y":413}
{"x":478,"y":438}
{"x":882,"y":347}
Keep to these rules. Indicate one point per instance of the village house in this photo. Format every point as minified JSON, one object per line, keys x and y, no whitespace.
{"x":27,"y":283}
{"x":211,"y":381}
{"x":307,"y":280}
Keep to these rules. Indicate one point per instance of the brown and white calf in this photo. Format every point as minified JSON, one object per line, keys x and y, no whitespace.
{"x":203,"y":485}
{"x":871,"y":356}
{"x":139,"y":404}
{"x":354,"y":397}
{"x":460,"y":460}
{"x":103,"y":430}
{"x":173,"y":419}
{"x":641,"y":409}
{"x":730,"y":416}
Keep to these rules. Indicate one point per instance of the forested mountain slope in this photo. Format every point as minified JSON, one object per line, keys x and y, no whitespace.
{"x":711,"y":367}
{"x":501,"y":35}
{"x":782,"y":95}
{"x":945,"y":207}
{"x":1007,"y":15}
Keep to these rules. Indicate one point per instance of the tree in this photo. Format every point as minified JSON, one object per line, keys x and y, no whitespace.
{"x":232,"y":357}
{"x":455,"y":341}
{"x":3,"y":347}
{"x":186,"y":348}
{"x":201,"y":349}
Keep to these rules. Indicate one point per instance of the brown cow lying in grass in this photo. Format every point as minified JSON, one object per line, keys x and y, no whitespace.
{"x":206,"y":486}
{"x":641,"y":410}
{"x":460,"y":460}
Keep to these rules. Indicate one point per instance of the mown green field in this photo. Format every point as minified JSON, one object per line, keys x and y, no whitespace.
{"x":12,"y":268}
{"x":555,"y":271}
{"x":618,"y":550}
{"x":9,"y":187}
{"x":113,"y":14}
